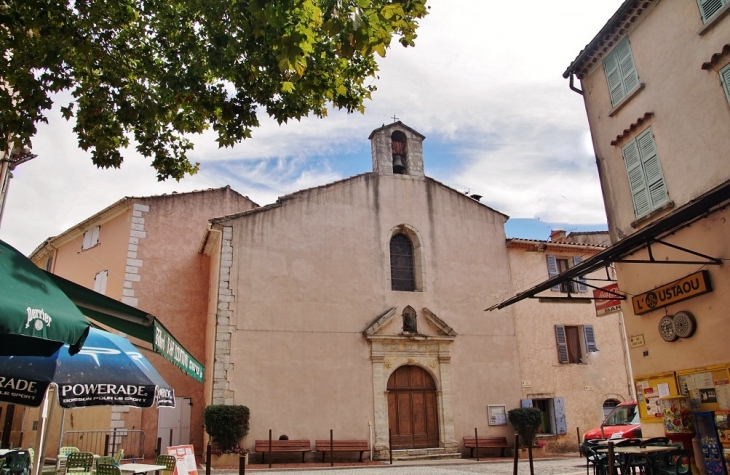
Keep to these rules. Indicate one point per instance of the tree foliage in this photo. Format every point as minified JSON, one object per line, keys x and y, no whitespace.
{"x":226,"y":425}
{"x":156,"y":71}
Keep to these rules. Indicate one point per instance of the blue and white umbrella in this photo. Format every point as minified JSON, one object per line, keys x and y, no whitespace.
{"x":108,"y":371}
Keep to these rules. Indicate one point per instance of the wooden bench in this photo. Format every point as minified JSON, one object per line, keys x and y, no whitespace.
{"x":303,"y":446}
{"x":342,"y":446}
{"x":487,"y":443}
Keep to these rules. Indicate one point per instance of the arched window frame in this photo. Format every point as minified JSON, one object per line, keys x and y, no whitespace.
{"x":419,"y":270}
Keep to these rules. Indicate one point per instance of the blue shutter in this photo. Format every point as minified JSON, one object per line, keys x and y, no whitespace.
{"x":637,"y":183}
{"x":561,"y":427}
{"x":562,"y":344}
{"x":725,"y":79}
{"x":525,"y":402}
{"x":626,"y":65}
{"x":582,"y":287}
{"x":590,"y":338}
{"x":652,"y":169}
{"x":709,"y":8}
{"x":552,"y":264}
{"x":613,"y":77}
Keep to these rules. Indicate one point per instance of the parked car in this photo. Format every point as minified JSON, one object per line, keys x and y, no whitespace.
{"x":622,"y":423}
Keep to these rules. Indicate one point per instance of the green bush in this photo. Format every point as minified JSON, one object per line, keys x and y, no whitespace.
{"x":226,"y":425}
{"x":526,"y":421}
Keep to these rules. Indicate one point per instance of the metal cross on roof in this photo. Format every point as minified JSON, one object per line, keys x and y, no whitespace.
{"x":395,"y":119}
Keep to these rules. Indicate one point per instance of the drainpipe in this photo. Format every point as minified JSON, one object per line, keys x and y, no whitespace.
{"x":572,"y":86}
{"x":627,"y":356}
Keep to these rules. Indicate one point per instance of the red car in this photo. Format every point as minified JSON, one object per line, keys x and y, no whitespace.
{"x":622,"y":423}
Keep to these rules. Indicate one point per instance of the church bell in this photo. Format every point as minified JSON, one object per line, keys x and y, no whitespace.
{"x":398,"y":166}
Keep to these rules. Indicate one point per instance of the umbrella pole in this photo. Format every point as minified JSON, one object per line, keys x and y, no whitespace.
{"x":42,"y":432}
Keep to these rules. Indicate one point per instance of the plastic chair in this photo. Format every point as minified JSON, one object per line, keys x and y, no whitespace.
{"x":108,"y":469}
{"x":79,"y":462}
{"x":118,"y":456}
{"x":598,"y":461}
{"x":31,"y":453}
{"x":2,"y":464}
{"x":104,"y":460}
{"x":62,"y":454}
{"x":676,"y":462}
{"x":17,"y":462}
{"x":167,"y":460}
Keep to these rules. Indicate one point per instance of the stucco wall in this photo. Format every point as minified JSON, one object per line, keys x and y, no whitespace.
{"x":691,"y":115}
{"x":312,"y":274}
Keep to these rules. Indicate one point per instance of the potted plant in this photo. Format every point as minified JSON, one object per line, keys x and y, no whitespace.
{"x":226,"y":426}
{"x":526,"y":421}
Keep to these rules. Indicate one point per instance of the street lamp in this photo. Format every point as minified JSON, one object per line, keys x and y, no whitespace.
{"x":8,"y":163}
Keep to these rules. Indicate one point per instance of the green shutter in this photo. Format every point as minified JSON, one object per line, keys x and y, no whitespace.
{"x":710,"y":7}
{"x":637,"y":183}
{"x":652,"y":169}
{"x":626,"y":65}
{"x":552,"y":264}
{"x":562,"y":344}
{"x":613,"y":77}
{"x":725,"y":80}
{"x":590,"y":338}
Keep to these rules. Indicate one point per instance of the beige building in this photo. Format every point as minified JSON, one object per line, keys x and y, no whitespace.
{"x":143,"y":251}
{"x":656,"y":85}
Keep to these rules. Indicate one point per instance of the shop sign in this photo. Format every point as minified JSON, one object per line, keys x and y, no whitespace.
{"x":677,"y":291}
{"x":166,"y":345}
{"x":606,"y":300}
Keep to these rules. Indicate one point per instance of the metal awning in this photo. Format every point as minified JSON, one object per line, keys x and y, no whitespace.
{"x":654,"y":233}
{"x":131,"y":321}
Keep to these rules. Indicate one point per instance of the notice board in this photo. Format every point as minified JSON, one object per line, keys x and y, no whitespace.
{"x":185,"y":456}
{"x":708,"y":388}
{"x":648,"y":391}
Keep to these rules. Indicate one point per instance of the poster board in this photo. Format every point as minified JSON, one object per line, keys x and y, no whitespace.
{"x":708,"y":388}
{"x":648,"y":391}
{"x":497,"y":414}
{"x":185,"y":457}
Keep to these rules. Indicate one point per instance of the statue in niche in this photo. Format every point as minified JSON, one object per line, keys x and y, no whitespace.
{"x":409,"y":320}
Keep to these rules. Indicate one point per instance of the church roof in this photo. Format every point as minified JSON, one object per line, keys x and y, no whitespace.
{"x":399,"y":123}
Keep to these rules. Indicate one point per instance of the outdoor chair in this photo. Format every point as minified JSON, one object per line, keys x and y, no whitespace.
{"x":118,"y":456}
{"x":62,"y":454}
{"x":108,"y":469}
{"x":79,"y":462}
{"x":656,"y":441}
{"x":17,"y":462}
{"x":2,"y":464}
{"x":676,"y":462}
{"x":598,"y":461}
{"x":167,"y":460}
{"x":31,"y":453}
{"x":104,"y":460}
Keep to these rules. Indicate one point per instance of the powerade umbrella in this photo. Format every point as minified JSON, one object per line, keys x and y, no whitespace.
{"x":36,"y":317}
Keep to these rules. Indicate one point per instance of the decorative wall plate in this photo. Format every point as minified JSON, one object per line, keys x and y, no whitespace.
{"x":666,"y":329}
{"x":684,"y":324}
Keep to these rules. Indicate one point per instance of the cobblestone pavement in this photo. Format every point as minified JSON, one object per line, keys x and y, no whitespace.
{"x":560,"y":466}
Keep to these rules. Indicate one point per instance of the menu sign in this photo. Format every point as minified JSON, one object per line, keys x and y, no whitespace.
{"x":673,"y":292}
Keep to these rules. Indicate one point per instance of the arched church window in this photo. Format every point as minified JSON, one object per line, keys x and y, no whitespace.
{"x":402,"y":275}
{"x":409,"y":320}
{"x":398,"y":143}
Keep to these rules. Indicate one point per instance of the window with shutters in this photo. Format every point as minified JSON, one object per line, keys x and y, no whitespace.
{"x":553,"y":414}
{"x":557,"y":265}
{"x":708,"y":8}
{"x":402,"y":269}
{"x":725,"y":80}
{"x":574,"y":342}
{"x":646,"y":181}
{"x":91,"y":238}
{"x":620,"y":70}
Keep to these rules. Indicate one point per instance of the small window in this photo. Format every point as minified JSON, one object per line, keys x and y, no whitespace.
{"x":708,"y":8}
{"x":100,"y":282}
{"x":558,"y":265}
{"x":91,"y":238}
{"x":620,"y":71}
{"x":553,"y":414}
{"x":402,"y":275}
{"x":49,"y":264}
{"x":725,"y":80}
{"x":644,"y":172}
{"x":574,"y":342}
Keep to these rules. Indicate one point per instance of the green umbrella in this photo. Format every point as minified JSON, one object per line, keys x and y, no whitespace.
{"x":36,"y":317}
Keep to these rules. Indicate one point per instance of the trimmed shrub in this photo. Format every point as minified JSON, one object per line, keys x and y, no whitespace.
{"x":226,"y":425}
{"x":526,"y":421}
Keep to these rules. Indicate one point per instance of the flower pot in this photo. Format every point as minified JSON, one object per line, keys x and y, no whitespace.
{"x":227,"y":460}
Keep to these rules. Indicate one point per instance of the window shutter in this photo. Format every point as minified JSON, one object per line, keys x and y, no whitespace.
{"x":652,"y":169}
{"x":525,"y":402}
{"x":562,"y":344}
{"x":590,"y":338}
{"x":626,"y":65}
{"x":725,"y":79}
{"x":561,"y":427}
{"x":552,"y":264}
{"x":710,"y":7}
{"x":613,"y":77}
{"x":95,"y":235}
{"x":100,"y":282}
{"x":637,"y":183}
{"x":582,"y":287}
{"x":87,"y":240}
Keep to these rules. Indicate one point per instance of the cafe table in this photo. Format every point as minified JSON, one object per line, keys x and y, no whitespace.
{"x":632,"y":451}
{"x":137,"y":468}
{"x":5,"y":451}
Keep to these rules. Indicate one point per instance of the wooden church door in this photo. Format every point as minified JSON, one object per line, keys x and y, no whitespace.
{"x":412,"y":409}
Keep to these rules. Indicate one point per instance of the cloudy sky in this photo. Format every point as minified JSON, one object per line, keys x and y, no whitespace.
{"x":484,"y":85}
